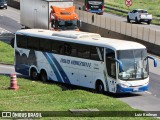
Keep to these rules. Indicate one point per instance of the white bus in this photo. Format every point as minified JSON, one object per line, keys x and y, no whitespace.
{"x":82,"y":59}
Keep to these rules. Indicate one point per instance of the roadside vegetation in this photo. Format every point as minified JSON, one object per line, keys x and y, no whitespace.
{"x":6,"y":53}
{"x":38,"y":96}
{"x":153,"y":7}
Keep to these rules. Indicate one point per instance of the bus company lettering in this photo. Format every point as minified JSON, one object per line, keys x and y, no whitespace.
{"x":75,"y":62}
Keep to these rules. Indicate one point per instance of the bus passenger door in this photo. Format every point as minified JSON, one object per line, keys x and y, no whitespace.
{"x":111,"y":70}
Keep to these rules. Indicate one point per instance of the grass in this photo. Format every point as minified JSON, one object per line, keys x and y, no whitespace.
{"x":153,"y":7}
{"x":6,"y":53}
{"x":37,"y":96}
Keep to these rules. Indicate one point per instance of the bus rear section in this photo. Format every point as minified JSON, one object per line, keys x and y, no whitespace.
{"x":93,"y":6}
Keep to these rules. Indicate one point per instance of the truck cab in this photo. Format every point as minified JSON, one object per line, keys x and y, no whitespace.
{"x":64,"y":18}
{"x":3,"y":4}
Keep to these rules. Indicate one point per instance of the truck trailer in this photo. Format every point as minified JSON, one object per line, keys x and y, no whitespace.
{"x":37,"y":13}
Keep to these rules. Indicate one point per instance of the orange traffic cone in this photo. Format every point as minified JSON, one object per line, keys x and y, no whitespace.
{"x":13,"y":84}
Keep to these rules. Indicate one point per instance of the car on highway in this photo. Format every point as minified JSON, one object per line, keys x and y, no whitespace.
{"x":3,"y":4}
{"x":139,"y":15}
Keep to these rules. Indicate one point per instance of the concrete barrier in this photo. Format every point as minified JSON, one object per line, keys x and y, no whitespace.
{"x":81,"y":15}
{"x":108,"y":24}
{"x":113,"y":24}
{"x":134,"y":31}
{"x":146,"y":34}
{"x":103,"y":22}
{"x":118,"y":26}
{"x":128,"y":29}
{"x":152,"y":36}
{"x":123,"y":28}
{"x":98,"y":23}
{"x":157,"y":42}
{"x":140,"y":32}
{"x":85,"y":17}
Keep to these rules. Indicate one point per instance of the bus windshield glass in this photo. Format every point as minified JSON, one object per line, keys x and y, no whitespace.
{"x":69,"y":24}
{"x":135,"y":64}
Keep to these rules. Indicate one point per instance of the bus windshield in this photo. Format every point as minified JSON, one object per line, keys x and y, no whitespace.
{"x":68,"y":24}
{"x":135,"y":64}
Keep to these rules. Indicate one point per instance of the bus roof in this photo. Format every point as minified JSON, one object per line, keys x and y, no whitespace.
{"x":83,"y":38}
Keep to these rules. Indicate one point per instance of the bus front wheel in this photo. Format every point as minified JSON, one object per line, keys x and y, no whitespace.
{"x":34,"y":74}
{"x":99,"y":87}
{"x":43,"y":75}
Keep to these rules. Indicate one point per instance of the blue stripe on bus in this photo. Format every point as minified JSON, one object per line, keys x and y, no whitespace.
{"x":61,"y":71}
{"x":53,"y":67}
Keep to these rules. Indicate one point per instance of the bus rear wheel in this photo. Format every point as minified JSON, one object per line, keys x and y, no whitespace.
{"x":43,"y":75}
{"x":34,"y":74}
{"x":99,"y":87}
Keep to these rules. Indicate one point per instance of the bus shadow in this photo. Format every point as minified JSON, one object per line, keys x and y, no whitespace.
{"x":123,"y":95}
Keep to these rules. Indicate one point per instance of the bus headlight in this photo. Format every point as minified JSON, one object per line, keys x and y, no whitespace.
{"x":124,"y":85}
{"x":146,"y":84}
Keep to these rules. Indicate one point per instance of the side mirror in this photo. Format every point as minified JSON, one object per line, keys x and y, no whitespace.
{"x":79,"y":23}
{"x":12,"y":42}
{"x":154,"y":59}
{"x":120,"y":65}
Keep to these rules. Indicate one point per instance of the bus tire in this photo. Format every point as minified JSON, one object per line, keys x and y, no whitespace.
{"x":34,"y":74}
{"x":99,"y":87}
{"x":43,"y":76}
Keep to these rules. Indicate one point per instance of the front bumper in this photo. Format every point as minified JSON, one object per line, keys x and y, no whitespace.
{"x":121,"y":89}
{"x":95,"y":11}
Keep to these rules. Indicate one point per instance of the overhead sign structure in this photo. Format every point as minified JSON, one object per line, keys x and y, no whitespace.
{"x":128,"y":3}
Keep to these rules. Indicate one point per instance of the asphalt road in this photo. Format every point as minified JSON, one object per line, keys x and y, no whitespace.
{"x":147,"y":101}
{"x":151,"y":26}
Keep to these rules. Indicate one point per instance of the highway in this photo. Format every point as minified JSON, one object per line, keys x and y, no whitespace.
{"x":124,"y":19}
{"x":146,"y":101}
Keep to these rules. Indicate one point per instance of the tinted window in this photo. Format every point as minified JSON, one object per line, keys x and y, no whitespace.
{"x":33,"y":43}
{"x":21,"y":41}
{"x":83,"y":51}
{"x":45,"y":45}
{"x":94,"y":53}
{"x":57,"y":47}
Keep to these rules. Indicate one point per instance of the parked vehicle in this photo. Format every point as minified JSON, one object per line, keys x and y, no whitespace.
{"x":139,"y":15}
{"x":3,"y":4}
{"x":48,"y":14}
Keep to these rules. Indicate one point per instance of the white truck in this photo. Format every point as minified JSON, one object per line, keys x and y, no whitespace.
{"x":139,"y":15}
{"x":36,"y":13}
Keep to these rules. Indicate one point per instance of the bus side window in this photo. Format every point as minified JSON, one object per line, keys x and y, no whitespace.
{"x":110,"y":63}
{"x":21,"y":41}
{"x":67,"y":49}
{"x":56,"y":47}
{"x":94,"y":54}
{"x":33,"y":43}
{"x":45,"y":45}
{"x":74,"y":50}
{"x":83,"y":51}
